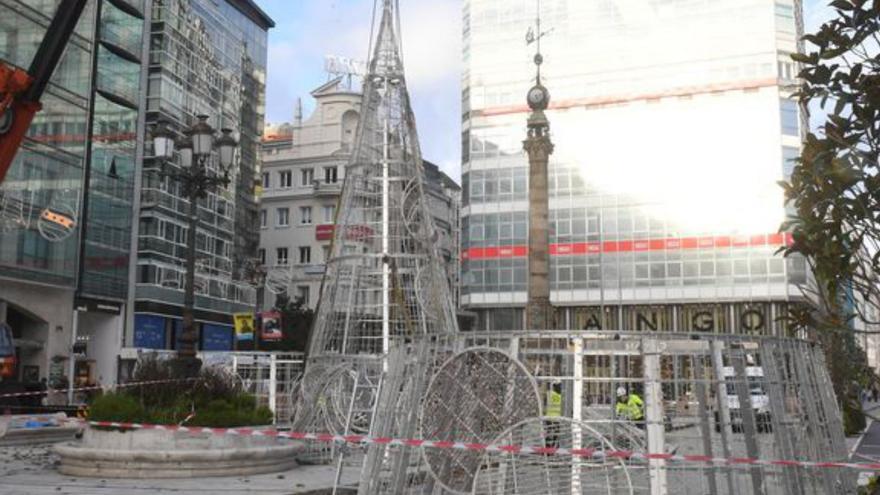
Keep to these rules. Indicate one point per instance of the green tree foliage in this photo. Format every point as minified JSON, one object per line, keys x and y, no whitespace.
{"x":835,"y":186}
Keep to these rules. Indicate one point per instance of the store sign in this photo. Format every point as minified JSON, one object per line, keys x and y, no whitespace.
{"x":342,"y":66}
{"x":149,"y":331}
{"x":741,"y":318}
{"x":271,"y":326}
{"x":352,"y":232}
{"x":649,"y":318}
{"x":216,"y":337}
{"x":94,"y":305}
{"x":324,"y":232}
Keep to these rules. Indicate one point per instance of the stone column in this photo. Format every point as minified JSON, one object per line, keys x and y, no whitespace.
{"x":539,"y":313}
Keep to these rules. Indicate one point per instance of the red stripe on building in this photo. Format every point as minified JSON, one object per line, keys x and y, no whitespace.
{"x":640,"y":245}
{"x":600,"y":101}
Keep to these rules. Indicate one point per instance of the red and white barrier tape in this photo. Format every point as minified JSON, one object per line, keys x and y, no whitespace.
{"x":95,"y":387}
{"x":592,"y":454}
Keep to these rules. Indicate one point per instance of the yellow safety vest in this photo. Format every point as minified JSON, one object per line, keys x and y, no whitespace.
{"x":554,"y":404}
{"x":633,"y":409}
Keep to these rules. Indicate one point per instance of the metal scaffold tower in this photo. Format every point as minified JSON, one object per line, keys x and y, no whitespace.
{"x":385,"y":299}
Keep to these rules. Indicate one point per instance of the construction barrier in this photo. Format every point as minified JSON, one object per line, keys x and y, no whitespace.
{"x":592,"y":454}
{"x":93,"y":388}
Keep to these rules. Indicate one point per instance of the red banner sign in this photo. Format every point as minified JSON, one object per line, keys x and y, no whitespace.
{"x":324,"y":232}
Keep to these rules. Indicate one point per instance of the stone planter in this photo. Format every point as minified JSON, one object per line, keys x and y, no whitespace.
{"x":15,"y":430}
{"x":167,"y":454}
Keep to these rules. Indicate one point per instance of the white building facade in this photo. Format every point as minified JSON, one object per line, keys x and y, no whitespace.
{"x":672,"y":125}
{"x":303,"y":167}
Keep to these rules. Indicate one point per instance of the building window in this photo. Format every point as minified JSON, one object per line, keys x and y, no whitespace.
{"x":308,"y":176}
{"x":302,"y":292}
{"x":281,"y":256}
{"x":261,"y":256}
{"x":305,"y":255}
{"x":285,"y":178}
{"x":789,"y":156}
{"x":785,"y":70}
{"x":264,"y":219}
{"x":788,"y":113}
{"x":305,"y":215}
{"x":330,"y":176}
{"x":326,"y":252}
{"x":283,"y":217}
{"x":267,"y":182}
{"x":329,"y":213}
{"x":785,"y":20}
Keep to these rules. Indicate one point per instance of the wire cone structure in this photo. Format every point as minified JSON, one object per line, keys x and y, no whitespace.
{"x":385,"y":301}
{"x":384,"y":276}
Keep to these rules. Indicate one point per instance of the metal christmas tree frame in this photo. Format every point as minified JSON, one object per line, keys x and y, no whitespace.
{"x":386,"y":360}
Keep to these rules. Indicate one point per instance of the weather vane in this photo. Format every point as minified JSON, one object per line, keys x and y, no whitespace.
{"x":534,"y":35}
{"x":538,"y":97}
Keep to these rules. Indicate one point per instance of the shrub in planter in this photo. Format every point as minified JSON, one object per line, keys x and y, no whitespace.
{"x":240,"y":411}
{"x":213,"y":399}
{"x":117,"y":407}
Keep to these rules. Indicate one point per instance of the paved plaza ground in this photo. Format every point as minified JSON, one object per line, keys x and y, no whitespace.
{"x":32,"y":470}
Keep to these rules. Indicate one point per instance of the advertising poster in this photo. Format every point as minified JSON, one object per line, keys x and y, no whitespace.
{"x":216,"y":337}
{"x":271,"y":331}
{"x":244,"y":326}
{"x":149,"y":331}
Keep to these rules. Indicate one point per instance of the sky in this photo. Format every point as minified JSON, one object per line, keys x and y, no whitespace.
{"x":308,"y":30}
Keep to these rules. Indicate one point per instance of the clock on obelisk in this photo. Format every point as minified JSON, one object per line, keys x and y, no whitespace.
{"x":539,"y":312}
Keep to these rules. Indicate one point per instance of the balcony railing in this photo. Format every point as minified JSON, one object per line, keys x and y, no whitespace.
{"x":324,"y":188}
{"x":314,"y":269}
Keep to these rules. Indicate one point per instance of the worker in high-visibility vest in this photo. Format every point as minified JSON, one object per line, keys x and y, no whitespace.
{"x":554,"y":403}
{"x":630,"y":406}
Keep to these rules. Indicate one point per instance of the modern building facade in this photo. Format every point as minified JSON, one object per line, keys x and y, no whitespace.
{"x":672,"y":124}
{"x":205,"y":57}
{"x":66,"y":206}
{"x":303,"y":170}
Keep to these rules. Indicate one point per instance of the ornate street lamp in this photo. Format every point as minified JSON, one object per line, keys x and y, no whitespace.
{"x":194,"y":151}
{"x":163,"y":141}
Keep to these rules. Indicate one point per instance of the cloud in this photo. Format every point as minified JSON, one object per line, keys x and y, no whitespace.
{"x":432,"y":41}
{"x":432,"y":57}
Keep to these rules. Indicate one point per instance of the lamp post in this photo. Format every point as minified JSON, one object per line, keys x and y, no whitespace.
{"x":256,"y":273}
{"x":195,"y":151}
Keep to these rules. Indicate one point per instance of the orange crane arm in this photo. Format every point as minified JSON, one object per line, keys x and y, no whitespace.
{"x":20,"y":91}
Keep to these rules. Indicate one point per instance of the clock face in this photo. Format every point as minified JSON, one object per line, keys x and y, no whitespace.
{"x":538,"y":98}
{"x":536,"y":95}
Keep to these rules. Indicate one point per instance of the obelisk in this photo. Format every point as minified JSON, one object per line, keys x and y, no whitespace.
{"x":539,"y":312}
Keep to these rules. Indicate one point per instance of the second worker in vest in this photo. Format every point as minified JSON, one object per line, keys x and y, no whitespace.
{"x":630,"y":407}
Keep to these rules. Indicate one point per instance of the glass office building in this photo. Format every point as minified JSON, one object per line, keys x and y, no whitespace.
{"x":66,"y":204}
{"x":206,"y":57}
{"x":672,"y":123}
